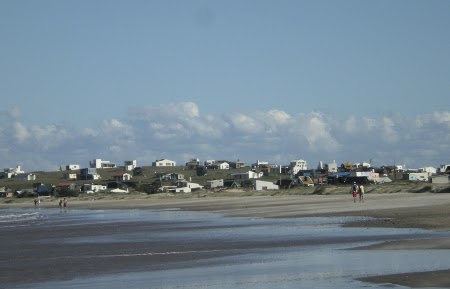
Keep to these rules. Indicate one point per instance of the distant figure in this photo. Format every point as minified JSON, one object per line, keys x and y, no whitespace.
{"x":65,"y":204}
{"x":354,"y":191}
{"x":361,"y":193}
{"x":35,"y":202}
{"x":61,"y":204}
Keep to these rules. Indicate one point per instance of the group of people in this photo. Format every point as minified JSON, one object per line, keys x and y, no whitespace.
{"x":357,"y":190}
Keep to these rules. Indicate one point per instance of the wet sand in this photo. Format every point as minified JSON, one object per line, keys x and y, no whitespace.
{"x":403,"y":210}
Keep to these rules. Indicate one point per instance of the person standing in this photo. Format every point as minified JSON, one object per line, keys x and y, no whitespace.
{"x":65,"y":204}
{"x":361,"y":193}
{"x":354,"y":191}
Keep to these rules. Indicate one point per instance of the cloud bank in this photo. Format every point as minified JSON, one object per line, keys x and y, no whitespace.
{"x":180,"y":131}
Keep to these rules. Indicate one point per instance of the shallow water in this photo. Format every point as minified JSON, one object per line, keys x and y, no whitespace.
{"x":242,"y":252}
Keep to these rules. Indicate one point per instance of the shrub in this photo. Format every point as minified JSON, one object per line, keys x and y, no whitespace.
{"x":26,"y":194}
{"x":66,"y":192}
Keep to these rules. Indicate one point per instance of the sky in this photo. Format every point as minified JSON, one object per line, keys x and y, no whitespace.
{"x":344,"y":81}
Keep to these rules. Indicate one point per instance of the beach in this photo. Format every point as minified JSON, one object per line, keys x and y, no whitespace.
{"x":427,"y":211}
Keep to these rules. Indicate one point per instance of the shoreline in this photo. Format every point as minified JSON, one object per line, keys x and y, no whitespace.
{"x":427,"y":211}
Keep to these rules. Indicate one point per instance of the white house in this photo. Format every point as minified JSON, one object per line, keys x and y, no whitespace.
{"x":330,"y":167}
{"x":9,"y":172}
{"x":263,"y":185}
{"x":430,"y":170}
{"x":259,"y":163}
{"x":400,"y":168}
{"x":444,"y":168}
{"x":209,"y":162}
{"x":72,"y":167}
{"x":214,"y":184}
{"x":164,"y":163}
{"x":186,"y":187}
{"x":247,"y":175}
{"x":416,"y":177}
{"x":222,"y":166}
{"x":297,"y":166}
{"x":91,"y":188}
{"x":25,"y":177}
{"x":122,"y":176}
{"x":130,"y":165}
{"x":99,"y":164}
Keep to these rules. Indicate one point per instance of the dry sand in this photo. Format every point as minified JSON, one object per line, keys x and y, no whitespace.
{"x":402,"y":210}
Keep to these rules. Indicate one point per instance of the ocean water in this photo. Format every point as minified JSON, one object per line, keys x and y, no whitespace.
{"x":242,"y":252}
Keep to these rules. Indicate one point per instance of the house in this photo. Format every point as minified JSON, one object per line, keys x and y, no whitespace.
{"x":328,"y":168}
{"x":70,"y":176}
{"x":263,"y":185}
{"x":122,"y":176}
{"x":346,"y":167}
{"x":99,"y":164}
{"x":89,"y":174}
{"x":430,"y":170}
{"x":305,"y":181}
{"x":10,"y":172}
{"x":297,"y":166}
{"x":66,"y":185}
{"x":400,"y":168}
{"x":222,"y":165}
{"x":247,"y":175}
{"x":214,"y":184}
{"x":25,"y":177}
{"x":43,"y":190}
{"x":164,"y":163}
{"x":209,"y":162}
{"x":259,"y":163}
{"x":444,"y":169}
{"x":237,"y":164}
{"x":186,"y":187}
{"x":91,"y":188}
{"x":69,"y":168}
{"x":230,"y":184}
{"x":440,"y":179}
{"x":193,"y":163}
{"x":130,"y":165}
{"x":416,"y":177}
{"x":192,"y":186}
{"x":172,"y":176}
{"x":70,"y":186}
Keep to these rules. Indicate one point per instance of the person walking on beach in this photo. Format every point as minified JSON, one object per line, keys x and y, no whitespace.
{"x":60,"y":204}
{"x":361,"y":193}
{"x":354,"y":191}
{"x":65,"y":204}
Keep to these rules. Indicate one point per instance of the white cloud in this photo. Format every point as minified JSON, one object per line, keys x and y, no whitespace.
{"x":180,"y":132}
{"x":389,"y":133}
{"x":20,"y":132}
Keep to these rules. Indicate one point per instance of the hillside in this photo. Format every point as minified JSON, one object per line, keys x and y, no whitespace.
{"x":149,"y":176}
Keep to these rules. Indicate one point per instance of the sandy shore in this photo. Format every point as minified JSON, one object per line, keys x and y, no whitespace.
{"x":402,"y":210}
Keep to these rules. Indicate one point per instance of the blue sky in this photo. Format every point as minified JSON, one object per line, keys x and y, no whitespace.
{"x":268,"y":80}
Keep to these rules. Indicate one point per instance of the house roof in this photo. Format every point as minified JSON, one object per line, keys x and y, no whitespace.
{"x":120,"y":174}
{"x":63,"y":184}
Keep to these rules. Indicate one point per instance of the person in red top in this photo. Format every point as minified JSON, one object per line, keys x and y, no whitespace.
{"x":354,"y":191}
